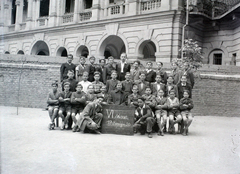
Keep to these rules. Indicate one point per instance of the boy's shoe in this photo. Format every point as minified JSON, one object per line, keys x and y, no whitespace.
{"x":96,"y":132}
{"x":184,"y":132}
{"x":150,"y":135}
{"x":50,"y":126}
{"x":74,"y":129}
{"x":187,"y":131}
{"x":160,"y":133}
{"x":170,"y":130}
{"x":173,"y":131}
{"x":62,"y":126}
{"x":66,"y":126}
{"x":165,"y":129}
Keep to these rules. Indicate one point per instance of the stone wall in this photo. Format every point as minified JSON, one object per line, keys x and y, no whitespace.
{"x":213,"y":94}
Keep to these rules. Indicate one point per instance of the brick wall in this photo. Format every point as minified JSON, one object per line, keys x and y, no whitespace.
{"x":213,"y":94}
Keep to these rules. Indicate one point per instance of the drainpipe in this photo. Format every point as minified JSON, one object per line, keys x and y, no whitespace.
{"x":174,"y":16}
{"x":183,"y":29}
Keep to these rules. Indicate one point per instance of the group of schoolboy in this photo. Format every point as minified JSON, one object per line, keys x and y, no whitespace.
{"x":154,"y":94}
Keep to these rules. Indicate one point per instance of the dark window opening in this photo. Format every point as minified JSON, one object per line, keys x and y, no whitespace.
{"x":64,"y":53}
{"x":88,"y":4}
{"x":14,"y":9}
{"x":44,"y":8}
{"x":7,"y":52}
{"x":107,"y":54}
{"x":69,"y":8}
{"x":234,"y":57}
{"x":217,"y":59}
{"x":20,"y":52}
{"x":111,"y":1}
{"x":41,"y":53}
{"x":25,"y":9}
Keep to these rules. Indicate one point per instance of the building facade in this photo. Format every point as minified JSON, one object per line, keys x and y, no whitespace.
{"x":144,"y":29}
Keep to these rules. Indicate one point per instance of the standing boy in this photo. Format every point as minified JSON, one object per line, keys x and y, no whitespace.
{"x":71,"y":81}
{"x":53,"y":106}
{"x":117,"y":96}
{"x":156,"y":86}
{"x":91,"y":69}
{"x":161,"y":72}
{"x":85,"y":83}
{"x":102,"y":69}
{"x":109,"y":68}
{"x":186,"y":104}
{"x":133,"y":98}
{"x":182,"y":86}
{"x":112,"y":83}
{"x":150,"y":74}
{"x":65,"y":67}
{"x":122,"y":67}
{"x":127,"y":84}
{"x":142,"y":83}
{"x":80,"y":68}
{"x":97,"y":81}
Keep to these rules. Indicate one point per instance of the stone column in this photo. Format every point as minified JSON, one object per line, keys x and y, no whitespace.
{"x":7,"y":14}
{"x":133,"y":7}
{"x":126,"y":6}
{"x":106,"y":4}
{"x":29,"y":15}
{"x":37,"y":12}
{"x":95,"y":10}
{"x":76,"y":11}
{"x":53,"y":13}
{"x":19,"y":14}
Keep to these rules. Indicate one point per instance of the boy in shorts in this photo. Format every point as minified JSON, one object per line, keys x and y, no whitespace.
{"x":78,"y":100}
{"x":65,"y":105}
{"x":173,"y":111}
{"x":161,"y":111}
{"x":186,"y":104}
{"x":53,"y":102}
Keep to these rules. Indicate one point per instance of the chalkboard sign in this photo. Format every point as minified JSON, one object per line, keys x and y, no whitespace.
{"x":118,"y":119}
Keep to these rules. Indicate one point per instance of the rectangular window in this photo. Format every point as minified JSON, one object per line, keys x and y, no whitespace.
{"x":234,"y":56}
{"x":217,"y":59}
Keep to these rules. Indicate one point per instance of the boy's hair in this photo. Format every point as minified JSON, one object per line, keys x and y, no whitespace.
{"x":127,"y":73}
{"x":85,"y":72}
{"x":82,"y":57}
{"x":148,"y":88}
{"x":110,"y":57}
{"x":66,"y":84}
{"x":149,"y":63}
{"x":55,"y":83}
{"x":137,"y":62}
{"x":187,"y":91}
{"x":119,"y":83}
{"x":113,"y":71}
{"x":100,"y":96}
{"x":97,"y":72}
{"x":160,"y":63}
{"x":92,"y":57}
{"x":70,"y":56}
{"x":89,"y":86}
{"x":142,"y":72}
{"x":160,"y":90}
{"x":135,"y":86}
{"x":79,"y":84}
{"x":170,"y":76}
{"x":100,"y":60}
{"x":172,"y":91}
{"x":70,"y":71}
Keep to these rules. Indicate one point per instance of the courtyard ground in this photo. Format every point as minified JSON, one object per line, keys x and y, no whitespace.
{"x":28,"y":147}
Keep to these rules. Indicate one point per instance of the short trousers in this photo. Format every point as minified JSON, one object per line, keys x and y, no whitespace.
{"x":65,"y":109}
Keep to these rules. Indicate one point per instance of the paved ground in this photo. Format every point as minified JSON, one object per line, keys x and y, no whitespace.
{"x":28,"y":147}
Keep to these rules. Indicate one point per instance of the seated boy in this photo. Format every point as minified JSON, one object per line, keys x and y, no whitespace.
{"x":96,"y":83}
{"x":73,"y":82}
{"x":112,"y":83}
{"x":104,"y":94}
{"x":173,"y":111}
{"x":171,"y":86}
{"x":85,"y":83}
{"x":117,"y":96}
{"x":78,"y":100}
{"x":90,"y":95}
{"x":150,"y":99}
{"x":65,"y":67}
{"x":144,"y":120}
{"x":142,"y":83}
{"x":127,"y":83}
{"x":90,"y":118}
{"x":133,"y":98}
{"x":186,"y":104}
{"x":161,"y":111}
{"x":65,"y":105}
{"x":53,"y":102}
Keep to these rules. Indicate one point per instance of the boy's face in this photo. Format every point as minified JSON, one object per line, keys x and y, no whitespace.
{"x":110,"y":61}
{"x":170,"y":80}
{"x":185,"y":66}
{"x":85,"y":77}
{"x":102,"y":63}
{"x":142,"y":77}
{"x":119,"y":86}
{"x":158,"y":78}
{"x":183,"y":79}
{"x":82,"y":61}
{"x":99,"y":100}
{"x":97,"y":77}
{"x":140,"y":103}
{"x":149,"y":65}
{"x":185,"y":95}
{"x":135,"y":90}
{"x":127,"y":76}
{"x":90,"y":89}
{"x":66,"y":88}
{"x":79,"y":89}
{"x":159,"y":65}
{"x":92,"y":60}
{"x":114,"y":75}
{"x":103,"y":89}
{"x":69,"y":59}
{"x":160,"y":93}
{"x":70,"y":75}
{"x":123,"y":57}
{"x":148,"y":91}
{"x":135,"y":64}
{"x":172,"y":95}
{"x":54,"y":87}
{"x":174,"y":66}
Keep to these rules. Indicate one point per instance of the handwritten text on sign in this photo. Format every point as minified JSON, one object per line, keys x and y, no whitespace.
{"x":117,"y":119}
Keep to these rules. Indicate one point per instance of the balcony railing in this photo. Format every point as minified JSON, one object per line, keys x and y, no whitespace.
{"x":116,"y":9}
{"x":85,"y":16}
{"x":213,"y":8}
{"x":67,"y":18}
{"x":11,"y":28}
{"x":150,"y":5}
{"x":42,"y":21}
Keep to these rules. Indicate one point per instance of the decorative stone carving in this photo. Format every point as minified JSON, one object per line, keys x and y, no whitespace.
{"x":112,"y":28}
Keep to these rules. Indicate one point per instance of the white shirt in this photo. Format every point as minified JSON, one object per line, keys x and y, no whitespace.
{"x":122,"y":66}
{"x":85,"y":85}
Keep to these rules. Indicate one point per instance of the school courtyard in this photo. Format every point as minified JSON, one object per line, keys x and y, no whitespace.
{"x":28,"y":147}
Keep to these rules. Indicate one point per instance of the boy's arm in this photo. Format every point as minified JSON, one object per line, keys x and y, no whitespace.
{"x":61,"y":72}
{"x":60,"y":99}
{"x":148,"y":114}
{"x":110,"y":99}
{"x":176,"y":105}
{"x":182,"y":106}
{"x":190,"y":105}
{"x":73,"y":99}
